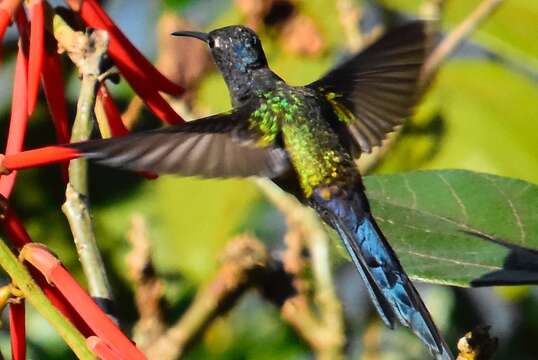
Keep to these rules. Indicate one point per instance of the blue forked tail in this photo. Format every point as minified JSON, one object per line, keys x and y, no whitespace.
{"x":392,"y":293}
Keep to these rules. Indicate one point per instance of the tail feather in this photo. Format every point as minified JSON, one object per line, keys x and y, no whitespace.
{"x":392,"y":293}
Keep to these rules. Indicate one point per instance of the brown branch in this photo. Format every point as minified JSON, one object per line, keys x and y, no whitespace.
{"x":243,"y":263}
{"x":484,"y":10}
{"x":87,"y":52}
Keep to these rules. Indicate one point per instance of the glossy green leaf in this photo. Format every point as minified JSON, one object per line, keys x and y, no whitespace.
{"x":458,"y":227}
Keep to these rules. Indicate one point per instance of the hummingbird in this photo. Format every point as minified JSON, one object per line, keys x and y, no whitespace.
{"x":306,"y":139}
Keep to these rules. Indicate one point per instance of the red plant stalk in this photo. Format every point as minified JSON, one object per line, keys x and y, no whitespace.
{"x":18,"y":331}
{"x":91,"y":313}
{"x":37,"y":50}
{"x":138,"y":71}
{"x":19,"y":120}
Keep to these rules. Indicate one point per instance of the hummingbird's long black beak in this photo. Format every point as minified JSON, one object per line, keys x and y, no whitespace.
{"x":195,"y":34}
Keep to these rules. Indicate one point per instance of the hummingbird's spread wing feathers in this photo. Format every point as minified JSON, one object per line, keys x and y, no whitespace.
{"x":375,"y":91}
{"x":217,"y":146}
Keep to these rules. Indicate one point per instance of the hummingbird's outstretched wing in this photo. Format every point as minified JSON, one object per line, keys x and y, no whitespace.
{"x":221,"y":145}
{"x":374,"y":91}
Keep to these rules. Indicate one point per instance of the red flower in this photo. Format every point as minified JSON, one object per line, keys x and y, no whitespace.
{"x":99,"y":322}
{"x":145,"y":79}
{"x":37,"y":59}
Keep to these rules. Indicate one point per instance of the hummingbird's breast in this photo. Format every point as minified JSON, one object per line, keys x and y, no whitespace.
{"x":313,"y":146}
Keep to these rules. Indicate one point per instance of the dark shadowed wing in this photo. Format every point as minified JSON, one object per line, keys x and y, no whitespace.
{"x":376,"y":90}
{"x":217,"y":146}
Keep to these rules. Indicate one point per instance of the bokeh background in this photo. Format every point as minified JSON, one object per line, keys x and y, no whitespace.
{"x":481,"y":114}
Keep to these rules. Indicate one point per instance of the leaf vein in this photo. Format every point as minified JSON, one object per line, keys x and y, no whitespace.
{"x":517,"y":218}
{"x":456,"y":197}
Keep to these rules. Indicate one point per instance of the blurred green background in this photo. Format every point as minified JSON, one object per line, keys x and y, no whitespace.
{"x":481,"y":114}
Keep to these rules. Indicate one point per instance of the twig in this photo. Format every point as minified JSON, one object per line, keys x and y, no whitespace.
{"x":456,"y":37}
{"x":33,"y":294}
{"x":243,"y":263}
{"x":87,"y":52}
{"x":148,"y":287}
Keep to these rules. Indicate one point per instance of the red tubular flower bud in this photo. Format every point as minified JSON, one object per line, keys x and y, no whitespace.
{"x":145,"y":79}
{"x":122,"y":50}
{"x":19,"y":119}
{"x":97,"y":320}
{"x":17,"y":330}
{"x":156,"y":103}
{"x":37,"y":39}
{"x":39,"y":157}
{"x":117,"y":128}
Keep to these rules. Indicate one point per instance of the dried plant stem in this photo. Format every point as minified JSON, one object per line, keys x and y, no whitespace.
{"x":33,"y":294}
{"x":243,"y":262}
{"x":148,"y":287}
{"x":87,"y":52}
{"x":484,"y":10}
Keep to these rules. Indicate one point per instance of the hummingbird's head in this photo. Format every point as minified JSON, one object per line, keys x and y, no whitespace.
{"x":234,"y":48}
{"x":237,"y":51}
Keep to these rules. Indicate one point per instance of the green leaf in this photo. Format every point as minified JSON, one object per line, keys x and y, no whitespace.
{"x":459,"y":227}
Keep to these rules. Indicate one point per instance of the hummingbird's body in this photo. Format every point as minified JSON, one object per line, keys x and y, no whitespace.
{"x":306,"y":140}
